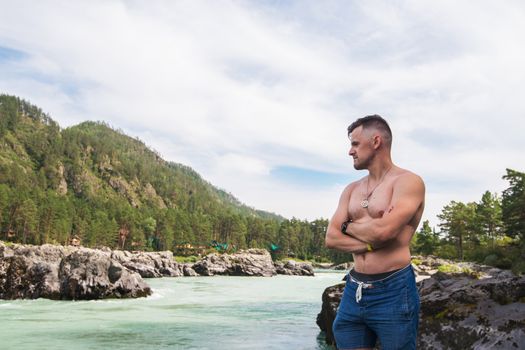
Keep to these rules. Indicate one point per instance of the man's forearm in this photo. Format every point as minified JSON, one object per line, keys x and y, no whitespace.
{"x":352,"y":245}
{"x":335,"y":239}
{"x":366,"y":232}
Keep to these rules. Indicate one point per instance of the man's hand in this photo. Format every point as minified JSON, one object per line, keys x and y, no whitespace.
{"x":335,"y":238}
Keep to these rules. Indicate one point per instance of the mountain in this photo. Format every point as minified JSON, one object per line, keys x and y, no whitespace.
{"x":95,"y":184}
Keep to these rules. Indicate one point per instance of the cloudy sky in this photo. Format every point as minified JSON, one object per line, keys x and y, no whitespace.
{"x":257,"y":95}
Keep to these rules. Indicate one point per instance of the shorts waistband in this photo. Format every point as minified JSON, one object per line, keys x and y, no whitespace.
{"x":365,"y":277}
{"x":380,"y":277}
{"x":370,"y":284}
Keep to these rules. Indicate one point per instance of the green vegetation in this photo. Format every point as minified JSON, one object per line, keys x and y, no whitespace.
{"x":94,"y":184}
{"x":490,"y":231}
{"x":416,"y":261}
{"x":186,"y":259}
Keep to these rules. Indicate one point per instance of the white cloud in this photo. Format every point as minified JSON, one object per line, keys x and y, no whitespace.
{"x":235,"y":89}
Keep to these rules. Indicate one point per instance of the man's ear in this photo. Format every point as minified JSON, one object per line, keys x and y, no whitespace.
{"x":376,"y":141}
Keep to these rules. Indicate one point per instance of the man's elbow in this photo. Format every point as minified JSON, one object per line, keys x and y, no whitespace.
{"x":328,"y":240}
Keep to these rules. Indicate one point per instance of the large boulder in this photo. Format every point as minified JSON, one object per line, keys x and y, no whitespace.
{"x":325,"y":319}
{"x":459,"y":312}
{"x":29,"y":272}
{"x":343,"y":266}
{"x":472,"y":307}
{"x":56,"y":272}
{"x":92,"y":274}
{"x":251,"y":262}
{"x":292,"y":267}
{"x":149,"y":264}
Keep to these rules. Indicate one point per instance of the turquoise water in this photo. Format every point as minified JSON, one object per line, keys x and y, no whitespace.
{"x":183,"y":313}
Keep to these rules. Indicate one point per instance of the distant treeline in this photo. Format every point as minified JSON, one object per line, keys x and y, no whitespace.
{"x":490,"y":231}
{"x":93,"y":185}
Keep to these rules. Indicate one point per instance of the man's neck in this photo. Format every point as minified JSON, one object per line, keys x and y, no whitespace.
{"x":378,"y":169}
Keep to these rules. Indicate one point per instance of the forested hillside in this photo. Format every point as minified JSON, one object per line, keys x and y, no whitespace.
{"x":93,"y":183}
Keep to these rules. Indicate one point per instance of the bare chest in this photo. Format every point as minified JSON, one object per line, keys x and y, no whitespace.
{"x":362,"y":204}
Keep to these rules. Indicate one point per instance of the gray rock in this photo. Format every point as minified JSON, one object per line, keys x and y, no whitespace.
{"x":466,"y":313}
{"x":28,"y":272}
{"x":326,"y":266}
{"x":292,"y":267}
{"x":56,"y":272}
{"x":343,"y":266}
{"x":188,"y":271}
{"x":325,"y":319}
{"x":251,"y":262}
{"x":92,"y":274}
{"x":149,"y":264}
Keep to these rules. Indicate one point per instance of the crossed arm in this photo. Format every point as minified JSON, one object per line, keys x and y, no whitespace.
{"x":407,"y":197}
{"x":335,"y":239}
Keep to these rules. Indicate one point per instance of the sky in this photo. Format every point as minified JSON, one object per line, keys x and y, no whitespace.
{"x":257,"y":96}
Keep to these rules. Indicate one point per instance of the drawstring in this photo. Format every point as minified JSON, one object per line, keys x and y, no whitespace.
{"x":359,"y":291}
{"x":361,"y":285}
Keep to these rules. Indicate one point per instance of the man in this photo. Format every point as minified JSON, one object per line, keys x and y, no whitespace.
{"x":375,"y":221}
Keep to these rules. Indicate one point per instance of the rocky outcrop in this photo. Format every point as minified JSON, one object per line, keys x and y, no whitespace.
{"x":93,"y":274}
{"x":324,"y":266}
{"x":56,"y":272}
{"x":325,"y":319}
{"x":292,"y":267}
{"x":62,"y":184}
{"x":251,"y":262}
{"x":343,"y":266}
{"x":460,"y":312}
{"x":150,"y":264}
{"x":472,"y":307}
{"x":28,"y":272}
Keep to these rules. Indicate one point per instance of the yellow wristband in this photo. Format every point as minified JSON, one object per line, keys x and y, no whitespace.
{"x":369,"y":247}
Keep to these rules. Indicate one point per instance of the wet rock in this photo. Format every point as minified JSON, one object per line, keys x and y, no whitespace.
{"x":28,"y":272}
{"x":325,"y":319}
{"x":149,"y":264}
{"x":92,"y":274}
{"x":326,"y":266}
{"x":343,"y":266}
{"x":292,"y":267}
{"x":57,"y":272}
{"x":251,"y":262}
{"x":188,"y":271}
{"x":466,"y":313}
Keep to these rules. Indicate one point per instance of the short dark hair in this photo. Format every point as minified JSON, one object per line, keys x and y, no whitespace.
{"x":374,"y":121}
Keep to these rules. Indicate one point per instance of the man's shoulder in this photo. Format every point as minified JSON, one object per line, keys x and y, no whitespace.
{"x":352,"y":185}
{"x":408,"y":178}
{"x":355,"y":183}
{"x":404,"y":174}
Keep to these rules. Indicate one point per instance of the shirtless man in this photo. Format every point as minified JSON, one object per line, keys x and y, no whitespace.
{"x":375,"y":220}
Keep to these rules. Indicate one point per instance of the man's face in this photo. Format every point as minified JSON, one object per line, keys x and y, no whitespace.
{"x":361,"y":148}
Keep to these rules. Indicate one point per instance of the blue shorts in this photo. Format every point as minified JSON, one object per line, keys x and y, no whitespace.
{"x":387,"y":309}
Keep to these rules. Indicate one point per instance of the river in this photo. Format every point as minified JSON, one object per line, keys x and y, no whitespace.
{"x":220,"y":312}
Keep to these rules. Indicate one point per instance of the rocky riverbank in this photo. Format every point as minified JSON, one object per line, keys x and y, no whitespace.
{"x":57,"y":272}
{"x":463,"y":306}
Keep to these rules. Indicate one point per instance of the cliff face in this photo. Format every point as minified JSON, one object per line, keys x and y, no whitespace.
{"x":56,"y":272}
{"x":470,"y":307}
